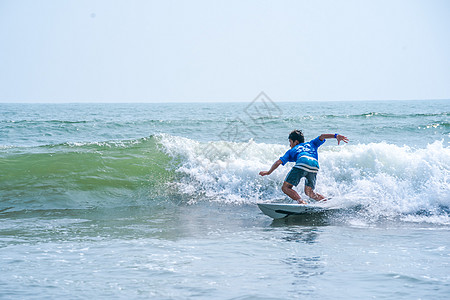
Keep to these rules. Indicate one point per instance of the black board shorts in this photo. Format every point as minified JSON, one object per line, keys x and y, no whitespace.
{"x":294,"y":176}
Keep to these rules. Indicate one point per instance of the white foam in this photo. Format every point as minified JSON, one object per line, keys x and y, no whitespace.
{"x":389,"y":179}
{"x":386,"y":179}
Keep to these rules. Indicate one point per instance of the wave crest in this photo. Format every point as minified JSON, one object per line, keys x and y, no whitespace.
{"x":387,"y":180}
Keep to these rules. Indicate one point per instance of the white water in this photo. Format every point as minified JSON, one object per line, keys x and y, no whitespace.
{"x":387,"y":180}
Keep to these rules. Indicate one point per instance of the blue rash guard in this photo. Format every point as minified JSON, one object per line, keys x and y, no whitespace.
{"x":304,"y":155}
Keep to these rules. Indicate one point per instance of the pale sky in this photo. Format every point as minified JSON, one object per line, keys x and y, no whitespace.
{"x":179,"y":51}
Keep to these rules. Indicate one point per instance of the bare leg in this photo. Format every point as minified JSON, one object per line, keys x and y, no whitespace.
{"x":287,"y":188}
{"x":313,"y":195}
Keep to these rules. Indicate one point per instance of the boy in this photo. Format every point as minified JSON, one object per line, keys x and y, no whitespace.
{"x":306,"y":164}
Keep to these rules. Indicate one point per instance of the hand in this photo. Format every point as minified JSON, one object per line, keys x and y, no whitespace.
{"x":264,"y":173}
{"x":341,"y":138}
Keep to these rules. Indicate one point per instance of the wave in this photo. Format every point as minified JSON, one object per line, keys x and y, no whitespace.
{"x":370,"y":115}
{"x":28,"y":122}
{"x":397,"y":115}
{"x":434,"y":125}
{"x":383,"y":180}
{"x":74,"y":175}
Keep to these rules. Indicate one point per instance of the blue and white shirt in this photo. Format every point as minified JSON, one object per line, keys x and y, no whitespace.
{"x":304,"y":155}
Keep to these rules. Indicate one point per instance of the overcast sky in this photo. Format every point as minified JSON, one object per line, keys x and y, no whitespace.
{"x":158,"y":51}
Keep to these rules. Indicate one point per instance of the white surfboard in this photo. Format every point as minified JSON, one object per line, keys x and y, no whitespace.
{"x":281,"y":210}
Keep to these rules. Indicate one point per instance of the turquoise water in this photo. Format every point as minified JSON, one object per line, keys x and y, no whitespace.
{"x":158,"y":201}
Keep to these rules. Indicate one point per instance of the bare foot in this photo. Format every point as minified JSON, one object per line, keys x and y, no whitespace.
{"x":300,"y":201}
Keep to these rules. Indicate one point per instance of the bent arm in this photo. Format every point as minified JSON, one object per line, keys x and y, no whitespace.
{"x":332,"y":136}
{"x":274,"y":166}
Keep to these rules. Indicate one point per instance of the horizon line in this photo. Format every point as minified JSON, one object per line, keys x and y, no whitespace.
{"x":208,"y":102}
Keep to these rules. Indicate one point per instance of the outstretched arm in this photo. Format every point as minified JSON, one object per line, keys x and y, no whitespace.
{"x":336,"y":136}
{"x":274,"y":166}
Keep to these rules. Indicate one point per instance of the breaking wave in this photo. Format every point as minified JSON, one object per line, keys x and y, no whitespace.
{"x":383,"y":180}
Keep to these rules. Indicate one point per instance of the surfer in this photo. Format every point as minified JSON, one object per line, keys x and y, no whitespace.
{"x":306,"y":164}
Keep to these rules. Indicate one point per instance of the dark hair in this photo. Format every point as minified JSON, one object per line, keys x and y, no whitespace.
{"x":297,"y":135}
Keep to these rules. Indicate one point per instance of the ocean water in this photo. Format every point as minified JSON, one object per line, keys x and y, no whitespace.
{"x":158,"y":201}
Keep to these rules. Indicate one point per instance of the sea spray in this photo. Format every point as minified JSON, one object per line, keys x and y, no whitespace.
{"x":216,"y":171}
{"x":387,"y":180}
